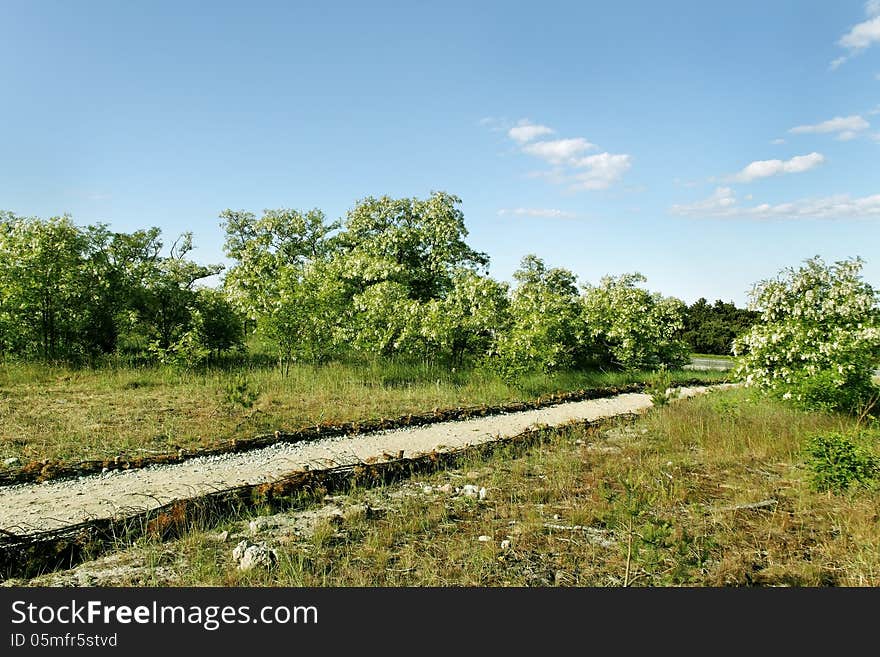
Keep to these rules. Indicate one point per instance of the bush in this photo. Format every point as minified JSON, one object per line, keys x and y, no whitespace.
{"x":818,"y":339}
{"x":828,"y":391}
{"x":838,"y":462}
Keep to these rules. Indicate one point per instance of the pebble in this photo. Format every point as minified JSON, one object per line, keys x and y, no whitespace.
{"x":505,"y":544}
{"x":484,"y":538}
{"x":427,"y":490}
{"x":482,"y":494}
{"x":12,"y":460}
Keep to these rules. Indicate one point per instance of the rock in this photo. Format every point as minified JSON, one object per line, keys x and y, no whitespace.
{"x":505,"y":544}
{"x":261,"y":524}
{"x":222,"y":537}
{"x":252,"y":555}
{"x":472,"y":474}
{"x":469,"y":490}
{"x":484,"y":538}
{"x":556,"y":516}
{"x":427,"y":490}
{"x":445,"y":488}
{"x":12,"y":460}
{"x":482,"y":494}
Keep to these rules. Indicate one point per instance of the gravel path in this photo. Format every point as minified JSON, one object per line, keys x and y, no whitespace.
{"x":27,"y":508}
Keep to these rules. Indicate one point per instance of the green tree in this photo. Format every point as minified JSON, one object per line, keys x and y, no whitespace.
{"x":632,"y":328}
{"x":45,"y":285}
{"x":417,"y":243}
{"x":283,"y":280}
{"x":468,"y":320}
{"x":545,"y":328}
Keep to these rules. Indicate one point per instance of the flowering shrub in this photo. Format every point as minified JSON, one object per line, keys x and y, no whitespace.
{"x":818,"y":339}
{"x":631,"y":327}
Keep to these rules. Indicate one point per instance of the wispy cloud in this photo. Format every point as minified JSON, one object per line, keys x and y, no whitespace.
{"x":546,"y":213}
{"x":777,"y":142}
{"x":572,"y":166}
{"x":846,"y":127}
{"x":861,"y":36}
{"x":600,"y":171}
{"x":723,"y":205}
{"x":559,"y":151}
{"x":767,"y":168}
{"x":526,"y":131}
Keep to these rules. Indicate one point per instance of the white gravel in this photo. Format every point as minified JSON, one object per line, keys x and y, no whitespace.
{"x":26,"y":508}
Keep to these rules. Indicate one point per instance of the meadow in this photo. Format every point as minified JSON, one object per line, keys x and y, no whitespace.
{"x":717,"y":490}
{"x":72,"y":414}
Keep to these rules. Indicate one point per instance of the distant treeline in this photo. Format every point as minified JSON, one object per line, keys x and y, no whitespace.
{"x":710,"y":329}
{"x":394,"y":277}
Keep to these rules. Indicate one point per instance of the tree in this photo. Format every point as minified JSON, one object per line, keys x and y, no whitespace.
{"x":45,"y":285}
{"x":416,"y":243}
{"x":163,"y":303}
{"x":818,"y":338}
{"x":711,"y":329}
{"x":282,"y":279}
{"x":545,"y":329}
{"x":469,"y":319}
{"x":632,"y":328}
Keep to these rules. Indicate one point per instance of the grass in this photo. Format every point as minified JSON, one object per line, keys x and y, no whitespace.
{"x":715,"y":356}
{"x":711,"y":491}
{"x":77,"y":414}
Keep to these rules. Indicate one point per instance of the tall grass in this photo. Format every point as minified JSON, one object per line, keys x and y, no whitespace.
{"x":57,"y":412}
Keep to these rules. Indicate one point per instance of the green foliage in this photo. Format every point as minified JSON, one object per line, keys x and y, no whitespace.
{"x":545,"y":322}
{"x":658,"y":385}
{"x":824,"y":391}
{"x":711,"y":329}
{"x":467,"y":321}
{"x":632,"y":328}
{"x":416,"y":243}
{"x":238,"y":394}
{"x":818,"y":340}
{"x":838,"y":462}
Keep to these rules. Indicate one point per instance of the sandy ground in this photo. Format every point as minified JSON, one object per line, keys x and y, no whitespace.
{"x":28,"y":508}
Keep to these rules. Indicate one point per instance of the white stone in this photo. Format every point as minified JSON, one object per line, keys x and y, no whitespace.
{"x":12,"y":460}
{"x":427,"y":490}
{"x":505,"y":544}
{"x":250,"y":556}
{"x":482,"y":494}
{"x":484,"y":538}
{"x":469,"y":490}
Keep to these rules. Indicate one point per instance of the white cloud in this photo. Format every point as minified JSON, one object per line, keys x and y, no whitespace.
{"x":862,"y":35}
{"x":874,"y":111}
{"x":767,"y":168}
{"x":846,"y":127}
{"x":570,"y":164}
{"x":601,"y":172}
{"x":526,"y":131}
{"x":723,"y":204}
{"x":546,"y":213}
{"x":778,"y":141}
{"x":558,"y":151}
{"x":722,"y":198}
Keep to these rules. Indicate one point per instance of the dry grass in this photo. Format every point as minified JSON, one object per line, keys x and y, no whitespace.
{"x":57,"y":413}
{"x":667,"y":501}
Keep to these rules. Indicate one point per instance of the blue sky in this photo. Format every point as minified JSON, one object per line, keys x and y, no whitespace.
{"x":706,"y":145}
